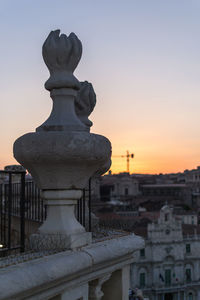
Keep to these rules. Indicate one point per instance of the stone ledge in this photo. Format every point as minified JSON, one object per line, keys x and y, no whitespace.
{"x":59,"y":241}
{"x":40,"y":274}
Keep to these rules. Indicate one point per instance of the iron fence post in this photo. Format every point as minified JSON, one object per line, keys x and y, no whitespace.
{"x":9,"y":210}
{"x":89,"y":207}
{"x":22,"y":213}
{"x":83,"y":210}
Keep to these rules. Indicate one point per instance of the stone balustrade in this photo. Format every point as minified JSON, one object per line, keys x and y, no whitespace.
{"x":98,"y":271}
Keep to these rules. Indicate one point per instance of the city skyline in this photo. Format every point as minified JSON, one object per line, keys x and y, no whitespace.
{"x":142,"y":59}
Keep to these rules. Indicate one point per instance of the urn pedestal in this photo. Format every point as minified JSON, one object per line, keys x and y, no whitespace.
{"x":61,"y":164}
{"x":62,"y":154}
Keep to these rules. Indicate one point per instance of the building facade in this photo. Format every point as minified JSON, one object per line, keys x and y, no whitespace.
{"x":192,"y":180}
{"x":119,"y":187}
{"x":168,"y":268}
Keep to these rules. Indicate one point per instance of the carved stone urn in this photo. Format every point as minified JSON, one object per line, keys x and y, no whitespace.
{"x":62,"y":154}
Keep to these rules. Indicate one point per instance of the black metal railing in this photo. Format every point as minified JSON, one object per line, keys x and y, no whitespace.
{"x":7,"y":205}
{"x":83,"y":210}
{"x":22,"y":199}
{"x":35,"y":208}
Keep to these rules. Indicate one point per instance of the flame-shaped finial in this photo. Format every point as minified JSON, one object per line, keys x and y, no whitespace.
{"x":61,"y":54}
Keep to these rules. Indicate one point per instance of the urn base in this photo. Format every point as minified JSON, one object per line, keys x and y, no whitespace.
{"x":45,"y":242}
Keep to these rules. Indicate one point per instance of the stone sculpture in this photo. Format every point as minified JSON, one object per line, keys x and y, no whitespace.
{"x":85,"y":103}
{"x":62,"y":154}
{"x":61,"y":55}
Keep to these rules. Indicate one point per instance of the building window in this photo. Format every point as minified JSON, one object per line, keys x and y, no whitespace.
{"x":168,"y":277}
{"x":167,"y":231}
{"x":142,"y":252}
{"x":187,"y":247}
{"x":166,"y":217}
{"x":190,"y":296}
{"x":142,"y":279}
{"x":188,"y":275}
{"x":126,"y":191}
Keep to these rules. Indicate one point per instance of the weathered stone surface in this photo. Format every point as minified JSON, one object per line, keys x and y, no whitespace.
{"x":62,"y":160}
{"x":63,"y":116}
{"x":96,"y":292}
{"x":46,"y":277}
{"x":85,"y":103}
{"x":62,"y":55}
{"x":59,"y":241}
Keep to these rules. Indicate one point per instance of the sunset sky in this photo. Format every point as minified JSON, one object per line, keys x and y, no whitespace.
{"x":143,"y":59}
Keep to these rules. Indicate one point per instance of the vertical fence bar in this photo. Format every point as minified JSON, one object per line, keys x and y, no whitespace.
{"x":22,"y":213}
{"x":89,"y":206}
{"x":83,"y":202}
{"x":4,"y":208}
{"x":42,"y":206}
{"x":9,"y":209}
{"x":13,"y":198}
{"x":26,"y":200}
{"x":45,"y":211}
{"x":39,"y":205}
{"x":1,"y":212}
{"x":34,"y":203}
{"x":78,"y":210}
{"x":81,"y":211}
{"x":30,"y":200}
{"x":18,"y":199}
{"x":36,"y":200}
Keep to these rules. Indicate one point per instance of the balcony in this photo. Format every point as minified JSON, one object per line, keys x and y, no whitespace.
{"x":98,"y":271}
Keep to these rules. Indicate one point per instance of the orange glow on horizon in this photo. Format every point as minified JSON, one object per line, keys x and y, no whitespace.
{"x":151,"y":167}
{"x":154,"y":152}
{"x":146,"y":166}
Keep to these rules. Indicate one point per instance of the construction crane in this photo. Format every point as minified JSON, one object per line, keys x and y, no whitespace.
{"x":128,"y":156}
